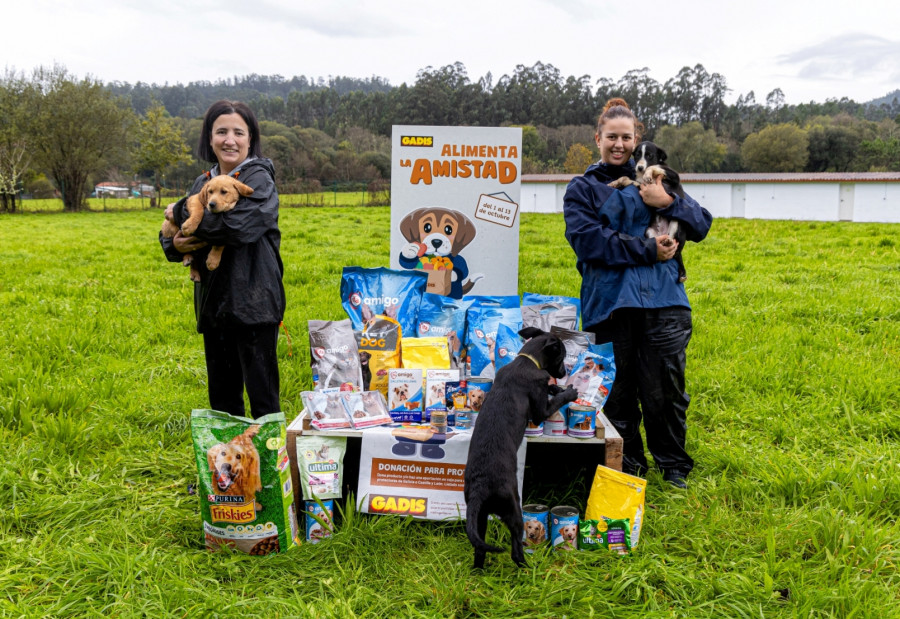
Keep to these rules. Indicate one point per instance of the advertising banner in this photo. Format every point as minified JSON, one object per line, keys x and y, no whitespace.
{"x":412,"y":471}
{"x":455,"y":195}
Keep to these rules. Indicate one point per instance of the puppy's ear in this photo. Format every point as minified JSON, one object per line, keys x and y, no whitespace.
{"x":204,"y":194}
{"x":244,"y":190}
{"x":530,"y":332}
{"x":211,"y":458}
{"x":661,"y":154}
{"x":466,"y":232}
{"x":409,"y":225}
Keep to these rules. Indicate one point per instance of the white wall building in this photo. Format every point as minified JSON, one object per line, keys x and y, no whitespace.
{"x":859,"y":197}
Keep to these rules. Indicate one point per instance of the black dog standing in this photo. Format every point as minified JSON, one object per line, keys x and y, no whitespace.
{"x":647,"y":156}
{"x":521,"y":391}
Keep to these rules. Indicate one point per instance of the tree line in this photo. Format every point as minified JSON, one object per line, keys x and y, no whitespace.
{"x":65,"y":133}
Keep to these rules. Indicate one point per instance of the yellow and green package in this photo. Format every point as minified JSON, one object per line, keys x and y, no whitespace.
{"x":425,"y":353}
{"x":616,"y":495}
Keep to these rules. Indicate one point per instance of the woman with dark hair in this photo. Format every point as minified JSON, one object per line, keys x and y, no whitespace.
{"x":240,"y":305}
{"x":631,"y":294}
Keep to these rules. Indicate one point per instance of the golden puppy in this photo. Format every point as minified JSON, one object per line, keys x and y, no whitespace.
{"x":235,"y":467}
{"x":218,"y":195}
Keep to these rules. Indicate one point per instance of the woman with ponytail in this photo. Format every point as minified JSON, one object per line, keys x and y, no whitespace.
{"x":631,"y":296}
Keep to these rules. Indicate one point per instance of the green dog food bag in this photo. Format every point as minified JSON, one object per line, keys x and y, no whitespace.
{"x":246,"y":497}
{"x":613,"y":534}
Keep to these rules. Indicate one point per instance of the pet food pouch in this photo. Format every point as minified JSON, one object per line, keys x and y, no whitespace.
{"x":366,"y":409}
{"x":616,"y":495}
{"x":379,"y":351}
{"x":613,"y":534}
{"x":546,"y":315}
{"x":444,"y":316}
{"x":425,"y":353}
{"x":593,"y":374}
{"x":334,"y":357}
{"x":405,"y":395}
{"x":320,"y":460}
{"x":509,"y":343}
{"x":534,"y":298}
{"x":365,"y":293}
{"x":482,"y":337}
{"x":575,"y":342}
{"x":325,"y":409}
{"x":246,"y":497}
{"x":319,"y":519}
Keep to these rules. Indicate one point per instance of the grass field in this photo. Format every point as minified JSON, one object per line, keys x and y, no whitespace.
{"x":791,"y":512}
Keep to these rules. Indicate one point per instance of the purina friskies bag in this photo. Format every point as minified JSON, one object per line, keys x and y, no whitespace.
{"x":246,"y":498}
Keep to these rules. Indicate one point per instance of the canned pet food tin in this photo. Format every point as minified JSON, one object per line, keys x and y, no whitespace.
{"x":555,"y":424}
{"x":439,"y":421}
{"x":315,"y":532}
{"x":564,"y":527}
{"x":534,"y":430}
{"x":582,"y":419}
{"x":476,"y":390}
{"x":537,"y":525}
{"x":464,"y":419}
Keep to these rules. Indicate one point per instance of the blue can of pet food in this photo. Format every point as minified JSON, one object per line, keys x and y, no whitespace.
{"x":537,"y":524}
{"x":564,"y":527}
{"x":476,"y":390}
{"x":315,"y":531}
{"x":582,"y":420}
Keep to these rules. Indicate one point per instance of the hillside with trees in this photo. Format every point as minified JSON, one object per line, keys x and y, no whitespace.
{"x":335,"y":133}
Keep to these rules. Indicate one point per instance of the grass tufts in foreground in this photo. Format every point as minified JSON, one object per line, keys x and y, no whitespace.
{"x":791,"y":511}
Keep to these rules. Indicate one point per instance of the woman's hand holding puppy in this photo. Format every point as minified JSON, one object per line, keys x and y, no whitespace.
{"x":655,"y":195}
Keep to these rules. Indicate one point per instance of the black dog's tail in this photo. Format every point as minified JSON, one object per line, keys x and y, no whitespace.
{"x":472,"y":512}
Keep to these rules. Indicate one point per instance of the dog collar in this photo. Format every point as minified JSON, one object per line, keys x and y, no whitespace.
{"x":533,"y":360}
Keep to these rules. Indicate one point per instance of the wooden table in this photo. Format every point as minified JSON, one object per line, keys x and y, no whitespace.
{"x":606,"y":438}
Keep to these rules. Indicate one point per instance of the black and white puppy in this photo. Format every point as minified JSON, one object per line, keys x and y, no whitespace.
{"x":649,"y":164}
{"x":521,"y":392}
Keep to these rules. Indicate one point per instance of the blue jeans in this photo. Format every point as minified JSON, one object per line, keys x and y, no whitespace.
{"x":649,"y":347}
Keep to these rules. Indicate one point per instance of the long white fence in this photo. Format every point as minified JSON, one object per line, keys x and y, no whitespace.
{"x":859,"y":197}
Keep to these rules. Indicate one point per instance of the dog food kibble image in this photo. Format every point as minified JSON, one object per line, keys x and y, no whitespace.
{"x":265,"y":546}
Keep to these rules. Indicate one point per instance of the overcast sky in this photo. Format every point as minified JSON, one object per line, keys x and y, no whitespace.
{"x":812,"y":51}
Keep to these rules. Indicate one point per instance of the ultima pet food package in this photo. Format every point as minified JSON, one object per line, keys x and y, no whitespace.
{"x":617,"y":496}
{"x":246,"y":497}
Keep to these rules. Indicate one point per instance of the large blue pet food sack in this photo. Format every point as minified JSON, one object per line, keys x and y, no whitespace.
{"x":246,"y":498}
{"x":366,"y":293}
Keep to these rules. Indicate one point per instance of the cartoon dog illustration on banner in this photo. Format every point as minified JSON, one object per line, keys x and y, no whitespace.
{"x":435,"y":237}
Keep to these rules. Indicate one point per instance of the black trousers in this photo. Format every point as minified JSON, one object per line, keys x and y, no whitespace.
{"x":650,"y":352}
{"x":238,"y":358}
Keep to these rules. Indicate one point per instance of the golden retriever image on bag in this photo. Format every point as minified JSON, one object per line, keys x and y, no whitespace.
{"x":234,"y":467}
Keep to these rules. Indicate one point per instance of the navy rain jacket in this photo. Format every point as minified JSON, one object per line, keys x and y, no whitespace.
{"x":618,"y":265}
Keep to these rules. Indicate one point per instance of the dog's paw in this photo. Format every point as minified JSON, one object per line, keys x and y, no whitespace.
{"x":195,"y":275}
{"x":622,"y":182}
{"x":555,"y":389}
{"x":570,"y":394}
{"x":188,"y":228}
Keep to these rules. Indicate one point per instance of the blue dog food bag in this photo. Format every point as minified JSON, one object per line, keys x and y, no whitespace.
{"x":365,"y":293}
{"x":482,"y":337}
{"x":444,"y":316}
{"x":509,"y":343}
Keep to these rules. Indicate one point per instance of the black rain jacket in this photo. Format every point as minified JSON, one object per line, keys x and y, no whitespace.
{"x":247,"y":288}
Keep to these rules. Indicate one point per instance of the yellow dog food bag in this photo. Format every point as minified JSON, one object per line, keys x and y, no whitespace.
{"x":616,"y":495}
{"x":245,"y":492}
{"x":425,"y":353}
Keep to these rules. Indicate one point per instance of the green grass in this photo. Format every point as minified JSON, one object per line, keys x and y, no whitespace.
{"x":795,"y":383}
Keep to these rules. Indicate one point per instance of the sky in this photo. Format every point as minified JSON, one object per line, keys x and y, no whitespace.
{"x":811,"y":51}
